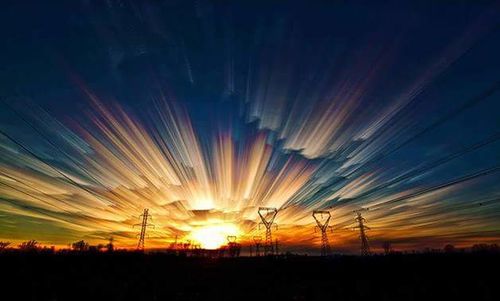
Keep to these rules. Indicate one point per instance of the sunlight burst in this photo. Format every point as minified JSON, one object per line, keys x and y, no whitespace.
{"x":213,"y":236}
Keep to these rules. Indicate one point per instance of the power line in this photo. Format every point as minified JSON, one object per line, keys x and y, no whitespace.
{"x":72,"y":182}
{"x":57,"y":148}
{"x":468,"y":104}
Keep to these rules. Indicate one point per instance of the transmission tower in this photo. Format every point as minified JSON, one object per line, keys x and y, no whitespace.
{"x":267,"y":215}
{"x":322,"y":219}
{"x":110,"y":246}
{"x":258,"y":241}
{"x":233,"y":246}
{"x":144,"y":225}
{"x":365,"y":248}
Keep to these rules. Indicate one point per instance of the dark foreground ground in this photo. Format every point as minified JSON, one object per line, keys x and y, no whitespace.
{"x":162,"y":277}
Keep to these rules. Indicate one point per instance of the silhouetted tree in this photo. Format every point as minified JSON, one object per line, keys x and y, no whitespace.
{"x":479,"y":248}
{"x":449,"y":248}
{"x":186,"y":245}
{"x":4,"y":245}
{"x":29,"y":245}
{"x":47,"y":250}
{"x":80,"y":246}
{"x":485,"y":248}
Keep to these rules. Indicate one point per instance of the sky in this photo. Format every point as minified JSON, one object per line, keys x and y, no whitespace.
{"x":204,"y":111}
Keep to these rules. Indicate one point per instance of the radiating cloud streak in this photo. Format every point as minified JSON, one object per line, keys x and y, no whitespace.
{"x":99,"y":189}
{"x":326,"y":132}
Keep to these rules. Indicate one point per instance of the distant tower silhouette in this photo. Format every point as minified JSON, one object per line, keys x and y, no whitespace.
{"x":267,"y":215}
{"x":365,"y":248}
{"x":322,"y":219}
{"x":110,"y":247}
{"x":258,"y":241}
{"x":144,"y":225}
{"x":234,"y":248}
{"x":387,"y":247}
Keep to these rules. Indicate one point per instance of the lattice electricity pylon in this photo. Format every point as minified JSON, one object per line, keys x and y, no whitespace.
{"x":365,"y":247}
{"x":267,"y":215}
{"x":322,"y":219}
{"x":110,"y":247}
{"x":258,"y":242}
{"x":144,"y":225}
{"x":233,"y":246}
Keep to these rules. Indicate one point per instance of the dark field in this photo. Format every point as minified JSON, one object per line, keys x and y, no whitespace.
{"x":130,"y":276}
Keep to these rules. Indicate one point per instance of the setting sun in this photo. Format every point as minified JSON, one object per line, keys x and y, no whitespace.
{"x":213,"y":236}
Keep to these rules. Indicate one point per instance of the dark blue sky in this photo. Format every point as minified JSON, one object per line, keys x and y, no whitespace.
{"x":127,"y":51}
{"x":123,"y":43}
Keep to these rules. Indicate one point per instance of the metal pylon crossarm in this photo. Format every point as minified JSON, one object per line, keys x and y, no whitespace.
{"x":322,"y":219}
{"x":267,"y":216}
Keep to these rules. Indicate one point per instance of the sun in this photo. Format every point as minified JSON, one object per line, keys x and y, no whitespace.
{"x":213,"y":236}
